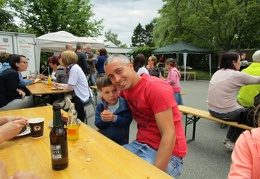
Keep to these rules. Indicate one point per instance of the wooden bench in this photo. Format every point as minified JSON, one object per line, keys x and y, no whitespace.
{"x":188,"y":73}
{"x":182,"y":73}
{"x":192,"y":115}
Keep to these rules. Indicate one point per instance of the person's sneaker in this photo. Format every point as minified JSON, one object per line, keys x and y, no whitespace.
{"x":225,"y":140}
{"x":230,"y":145}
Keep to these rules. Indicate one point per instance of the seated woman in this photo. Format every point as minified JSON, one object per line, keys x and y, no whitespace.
{"x":77,"y":82}
{"x":152,"y":67}
{"x":58,"y":75}
{"x":53,"y":62}
{"x":11,"y":97}
{"x":223,"y":89}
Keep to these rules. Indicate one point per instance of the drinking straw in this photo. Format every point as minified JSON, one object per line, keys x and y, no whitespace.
{"x":44,"y":70}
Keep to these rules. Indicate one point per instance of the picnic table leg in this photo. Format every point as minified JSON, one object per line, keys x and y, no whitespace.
{"x":191,"y":120}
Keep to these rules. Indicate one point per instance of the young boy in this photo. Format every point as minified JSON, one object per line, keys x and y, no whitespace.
{"x":113,"y":116}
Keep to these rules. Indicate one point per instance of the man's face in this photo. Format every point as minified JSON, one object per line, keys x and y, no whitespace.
{"x":121,"y":75}
{"x":70,"y":47}
{"x":88,"y":49}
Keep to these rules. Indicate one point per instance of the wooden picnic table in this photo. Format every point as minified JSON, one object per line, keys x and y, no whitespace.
{"x":40,"y":88}
{"x":91,"y":156}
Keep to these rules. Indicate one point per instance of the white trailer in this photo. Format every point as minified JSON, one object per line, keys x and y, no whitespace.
{"x":21,"y":44}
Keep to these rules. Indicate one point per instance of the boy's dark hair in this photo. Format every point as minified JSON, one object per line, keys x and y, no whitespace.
{"x":103,"y":81}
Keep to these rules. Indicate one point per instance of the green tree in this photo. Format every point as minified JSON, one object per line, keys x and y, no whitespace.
{"x":149,"y":33}
{"x":7,"y":21}
{"x":213,"y":24}
{"x":44,"y":16}
{"x":110,"y":36}
{"x":139,"y":36}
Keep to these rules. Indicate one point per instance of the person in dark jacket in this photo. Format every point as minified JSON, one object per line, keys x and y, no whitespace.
{"x":99,"y":63}
{"x":82,"y":59}
{"x":11,"y":96}
{"x":113,"y":116}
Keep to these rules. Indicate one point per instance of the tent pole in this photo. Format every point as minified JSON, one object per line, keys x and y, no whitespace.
{"x":210,"y":65}
{"x":184,"y":64}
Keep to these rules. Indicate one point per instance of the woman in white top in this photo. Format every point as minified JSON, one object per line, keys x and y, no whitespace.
{"x":77,"y":81}
{"x":139,"y":63}
{"x":223,"y":89}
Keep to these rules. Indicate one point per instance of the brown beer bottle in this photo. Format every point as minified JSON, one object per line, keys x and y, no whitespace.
{"x":58,"y":141}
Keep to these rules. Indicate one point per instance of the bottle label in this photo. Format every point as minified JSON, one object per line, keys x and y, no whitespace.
{"x":56,"y":152}
{"x":71,"y":132}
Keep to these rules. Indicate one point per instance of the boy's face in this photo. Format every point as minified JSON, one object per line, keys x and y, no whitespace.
{"x":110,"y":94}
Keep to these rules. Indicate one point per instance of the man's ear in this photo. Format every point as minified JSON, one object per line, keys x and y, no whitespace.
{"x":130,"y":64}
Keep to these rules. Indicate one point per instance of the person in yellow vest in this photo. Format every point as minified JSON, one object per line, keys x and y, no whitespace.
{"x":247,"y":93}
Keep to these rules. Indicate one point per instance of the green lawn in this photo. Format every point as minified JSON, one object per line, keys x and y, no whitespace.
{"x":200,"y":75}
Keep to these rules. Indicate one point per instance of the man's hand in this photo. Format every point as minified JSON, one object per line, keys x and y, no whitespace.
{"x":14,"y":118}
{"x":11,"y":129}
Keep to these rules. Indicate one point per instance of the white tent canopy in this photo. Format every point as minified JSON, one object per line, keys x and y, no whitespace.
{"x":56,"y":42}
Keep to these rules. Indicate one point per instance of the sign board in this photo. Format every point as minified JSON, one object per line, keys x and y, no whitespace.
{"x":21,"y":44}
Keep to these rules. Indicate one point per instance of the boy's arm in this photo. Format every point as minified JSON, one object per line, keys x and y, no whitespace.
{"x":124,"y":118}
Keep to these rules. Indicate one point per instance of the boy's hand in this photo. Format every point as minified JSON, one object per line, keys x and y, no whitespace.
{"x":108,"y":116}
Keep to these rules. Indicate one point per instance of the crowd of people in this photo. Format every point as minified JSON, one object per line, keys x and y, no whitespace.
{"x":160,"y":139}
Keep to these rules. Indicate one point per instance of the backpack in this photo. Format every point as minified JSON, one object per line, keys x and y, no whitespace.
{"x":250,"y":116}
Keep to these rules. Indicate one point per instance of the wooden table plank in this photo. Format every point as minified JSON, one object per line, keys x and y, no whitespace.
{"x":107,"y":159}
{"x":41,"y":88}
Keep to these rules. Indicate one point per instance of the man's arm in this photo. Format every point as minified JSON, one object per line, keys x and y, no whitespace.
{"x":165,"y":124}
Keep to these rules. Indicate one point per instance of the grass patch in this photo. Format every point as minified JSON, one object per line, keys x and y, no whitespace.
{"x":200,"y":75}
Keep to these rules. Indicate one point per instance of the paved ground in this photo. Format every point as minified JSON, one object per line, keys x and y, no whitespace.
{"x":207,"y":157}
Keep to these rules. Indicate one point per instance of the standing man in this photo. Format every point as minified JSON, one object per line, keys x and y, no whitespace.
{"x":160,"y":139}
{"x":82,"y":60}
{"x":88,"y":50}
{"x":68,"y":47}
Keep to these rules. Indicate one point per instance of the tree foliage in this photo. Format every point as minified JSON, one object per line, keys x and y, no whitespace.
{"x":145,"y":50}
{"x":149,"y":33}
{"x":7,"y":21}
{"x":139,"y":36}
{"x":143,"y":36}
{"x":44,"y":16}
{"x":217,"y":25}
{"x":110,"y":36}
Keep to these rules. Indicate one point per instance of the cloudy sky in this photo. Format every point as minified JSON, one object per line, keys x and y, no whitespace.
{"x":122,"y":16}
